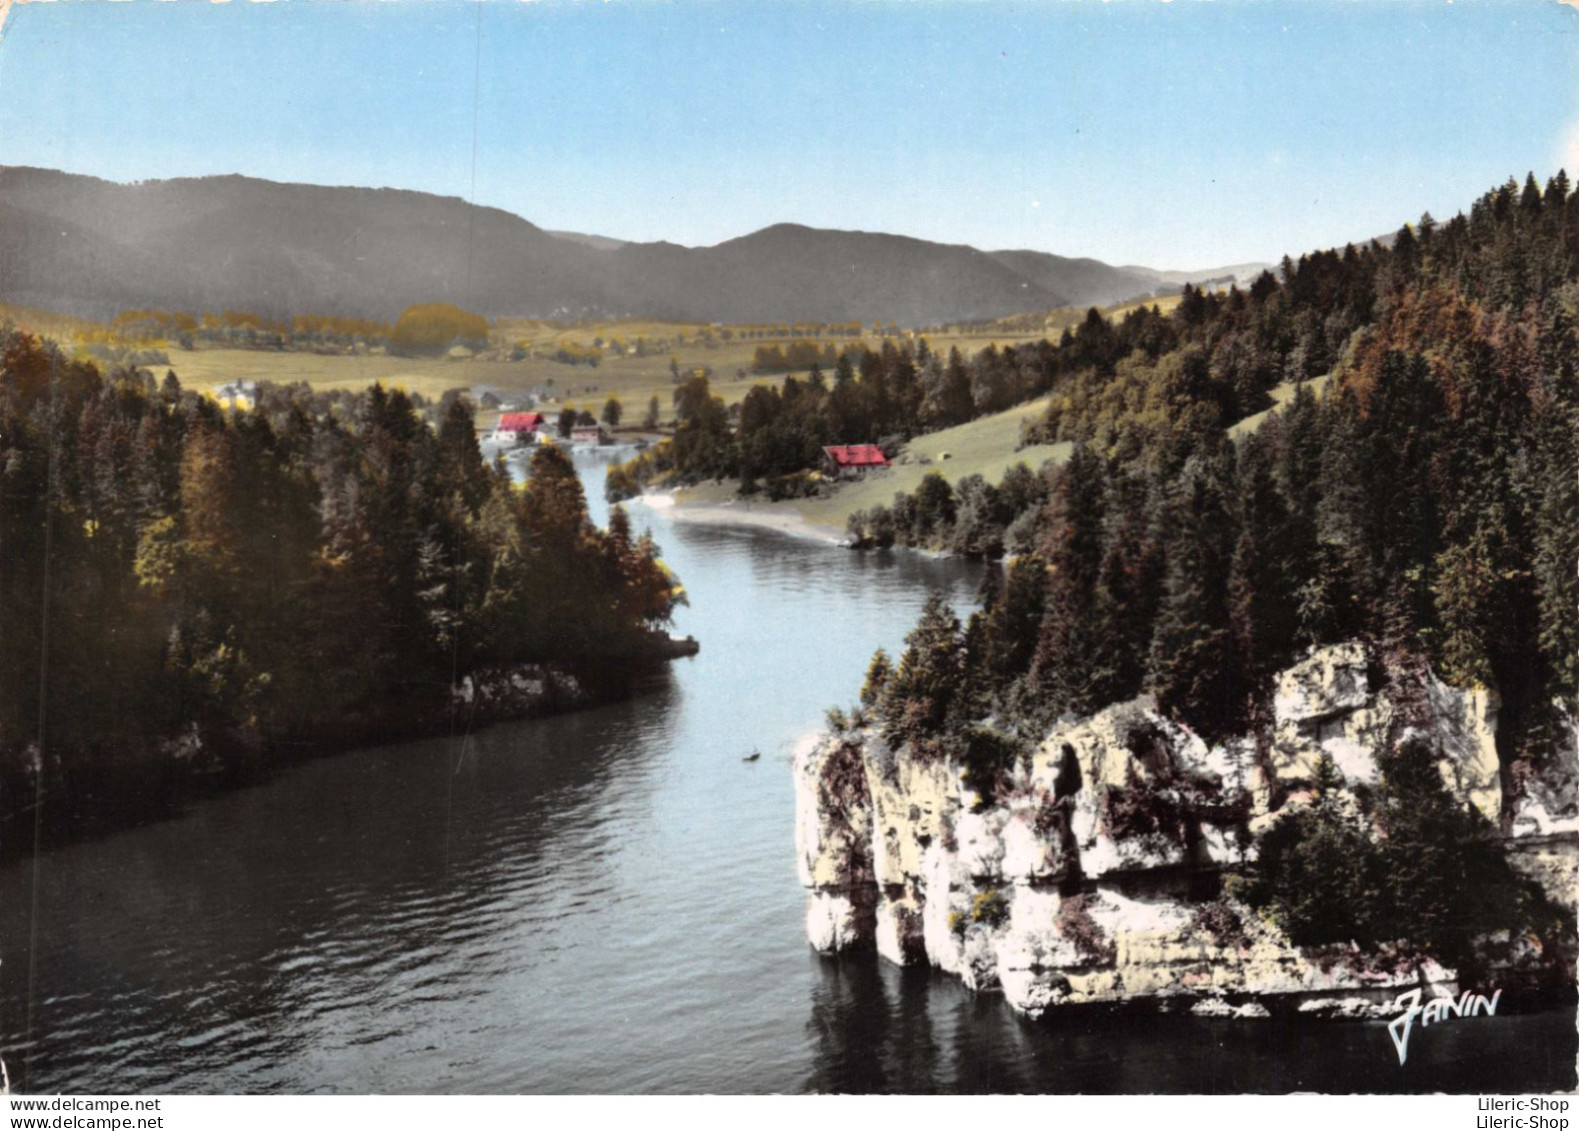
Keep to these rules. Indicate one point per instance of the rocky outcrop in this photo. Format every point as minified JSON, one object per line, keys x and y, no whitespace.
{"x":1081,"y":879}
{"x":1330,"y":704}
{"x":517,"y":692}
{"x":1547,"y":801}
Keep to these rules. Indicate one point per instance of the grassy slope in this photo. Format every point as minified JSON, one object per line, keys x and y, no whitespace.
{"x":983,"y":447}
{"x":1281,"y":395}
{"x":1051,"y":323}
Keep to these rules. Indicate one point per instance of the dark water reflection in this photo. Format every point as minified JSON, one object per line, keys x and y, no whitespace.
{"x":603,"y":902}
{"x":875,"y":1028}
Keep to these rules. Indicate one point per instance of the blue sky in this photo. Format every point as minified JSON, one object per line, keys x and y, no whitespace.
{"x":1185,"y":135}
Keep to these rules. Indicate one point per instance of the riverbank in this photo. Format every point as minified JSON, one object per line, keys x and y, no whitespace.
{"x":715,"y":505}
{"x":54,"y":797}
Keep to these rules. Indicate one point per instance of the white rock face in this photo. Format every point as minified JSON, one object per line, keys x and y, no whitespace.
{"x":1325,"y":705}
{"x":833,"y":843}
{"x":833,"y":922}
{"x":1331,"y":681}
{"x":1073,"y":886}
{"x":1348,"y":1008}
{"x":1125,"y":751}
{"x":1219,"y":1007}
{"x":1465,"y":723}
{"x":1029,"y":855}
{"x":980,"y":837}
{"x":1322,"y":705}
{"x":1548,"y":804}
{"x":945,"y":899}
{"x":900,"y":930}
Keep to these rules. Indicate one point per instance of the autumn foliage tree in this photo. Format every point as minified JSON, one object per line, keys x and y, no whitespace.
{"x":431,"y":327}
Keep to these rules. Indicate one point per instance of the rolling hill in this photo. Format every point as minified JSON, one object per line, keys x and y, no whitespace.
{"x":83,"y":246}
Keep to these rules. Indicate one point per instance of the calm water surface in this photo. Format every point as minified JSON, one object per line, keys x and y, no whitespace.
{"x":600,"y":902}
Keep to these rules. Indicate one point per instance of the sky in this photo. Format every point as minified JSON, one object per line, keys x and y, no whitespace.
{"x":1177,"y":135}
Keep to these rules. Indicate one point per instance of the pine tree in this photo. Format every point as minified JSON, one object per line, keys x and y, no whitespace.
{"x":956,"y":404}
{"x":1263,"y":609}
{"x":1556,"y":561}
{"x":1065,"y":668}
{"x":1193,"y":670}
{"x":1014,"y":620}
{"x":878,"y":674}
{"x":930,"y":674}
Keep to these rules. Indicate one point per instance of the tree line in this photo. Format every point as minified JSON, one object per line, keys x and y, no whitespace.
{"x":275,"y":572}
{"x":421,"y":328}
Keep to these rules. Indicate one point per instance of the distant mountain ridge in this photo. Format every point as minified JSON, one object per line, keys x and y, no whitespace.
{"x":88,"y":247}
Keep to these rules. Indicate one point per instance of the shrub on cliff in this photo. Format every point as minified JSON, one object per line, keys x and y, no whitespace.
{"x":1318,"y":872}
{"x":1446,"y":878}
{"x":988,"y":756}
{"x":1144,"y":810}
{"x":1219,"y":921}
{"x":990,"y":908}
{"x":1422,"y":868}
{"x":1076,"y":924}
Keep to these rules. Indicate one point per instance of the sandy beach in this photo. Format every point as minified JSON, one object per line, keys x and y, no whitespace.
{"x":739,"y":512}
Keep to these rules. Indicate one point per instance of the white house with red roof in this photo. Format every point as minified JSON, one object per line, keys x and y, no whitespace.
{"x":849,"y":460}
{"x":518,"y":427}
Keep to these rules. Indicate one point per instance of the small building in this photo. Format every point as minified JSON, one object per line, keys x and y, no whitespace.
{"x":518,"y":427}
{"x":846,"y":461}
{"x":589,"y":434}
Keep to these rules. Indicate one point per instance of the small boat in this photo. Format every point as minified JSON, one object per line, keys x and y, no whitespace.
{"x":753,"y":756}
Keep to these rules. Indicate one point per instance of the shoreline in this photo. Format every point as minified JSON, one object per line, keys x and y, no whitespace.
{"x":95,"y":792}
{"x":730,"y":512}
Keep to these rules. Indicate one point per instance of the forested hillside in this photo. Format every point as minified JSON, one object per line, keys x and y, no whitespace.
{"x":318,"y":563}
{"x":1427,"y":503}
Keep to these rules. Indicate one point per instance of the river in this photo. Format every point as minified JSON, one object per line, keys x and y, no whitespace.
{"x":598,"y":902}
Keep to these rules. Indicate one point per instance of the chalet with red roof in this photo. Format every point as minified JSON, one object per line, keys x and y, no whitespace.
{"x":518,"y":427}
{"x":847,"y":461}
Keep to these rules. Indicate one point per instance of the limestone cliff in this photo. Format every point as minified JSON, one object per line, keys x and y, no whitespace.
{"x":1081,"y":879}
